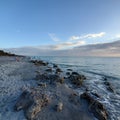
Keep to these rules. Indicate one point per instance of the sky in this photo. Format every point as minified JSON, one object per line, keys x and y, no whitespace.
{"x":63,"y":23}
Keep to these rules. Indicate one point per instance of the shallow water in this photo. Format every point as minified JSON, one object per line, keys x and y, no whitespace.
{"x":96,"y":69}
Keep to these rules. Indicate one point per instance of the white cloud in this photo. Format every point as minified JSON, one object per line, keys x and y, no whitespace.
{"x":118,"y":36}
{"x":101,"y":34}
{"x":67,"y":45}
{"x":53,"y":37}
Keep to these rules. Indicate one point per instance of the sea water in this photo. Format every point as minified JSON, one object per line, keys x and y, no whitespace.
{"x":96,"y":69}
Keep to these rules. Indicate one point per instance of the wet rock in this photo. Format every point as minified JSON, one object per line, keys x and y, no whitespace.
{"x":69,"y":69}
{"x":39,"y":63}
{"x":49,"y":70}
{"x":77,"y":79}
{"x":50,"y":78}
{"x":31,"y":102}
{"x":58,"y":70}
{"x":109,"y":86}
{"x":42,"y":84}
{"x":75,"y":73}
{"x":95,"y":107}
{"x":67,"y":73}
{"x":59,"y":107}
{"x":55,"y":66}
{"x":95,"y":94}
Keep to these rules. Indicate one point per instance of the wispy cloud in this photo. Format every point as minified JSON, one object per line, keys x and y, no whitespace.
{"x":67,"y":45}
{"x":117,"y":36}
{"x":87,"y":36}
{"x":53,"y":37}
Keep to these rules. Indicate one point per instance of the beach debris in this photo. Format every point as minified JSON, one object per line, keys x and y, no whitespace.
{"x":95,"y":107}
{"x":59,"y":107}
{"x":31,"y":102}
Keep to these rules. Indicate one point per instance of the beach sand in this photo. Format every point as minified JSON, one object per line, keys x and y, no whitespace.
{"x":17,"y":76}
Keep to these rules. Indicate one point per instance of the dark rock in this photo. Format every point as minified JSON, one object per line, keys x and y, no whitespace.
{"x":49,"y":70}
{"x":95,"y":107}
{"x":58,"y":70}
{"x":95,"y":94}
{"x":67,"y":73}
{"x":32,"y":103}
{"x":107,"y":83}
{"x":105,"y":79}
{"x":42,"y":84}
{"x":50,"y":78}
{"x":77,"y":79}
{"x":39,"y":62}
{"x":75,"y":73}
{"x":109,"y":86}
{"x":69,"y":69}
{"x":55,"y":66}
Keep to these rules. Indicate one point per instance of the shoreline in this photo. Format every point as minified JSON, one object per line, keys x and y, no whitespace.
{"x":60,"y":88}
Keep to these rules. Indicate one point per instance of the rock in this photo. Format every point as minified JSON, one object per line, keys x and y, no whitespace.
{"x":109,"y":86}
{"x":39,"y":63}
{"x":49,"y":70}
{"x":75,"y":73}
{"x":95,"y":94}
{"x":61,"y":80}
{"x":67,"y":73}
{"x":31,"y":102}
{"x":50,"y":78}
{"x":55,"y":66}
{"x":58,"y":70}
{"x":77,"y":79}
{"x":69,"y":69}
{"x":59,"y":107}
{"x":42,"y":84}
{"x":95,"y":107}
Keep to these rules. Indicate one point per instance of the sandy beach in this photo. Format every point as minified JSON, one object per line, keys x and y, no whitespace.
{"x":48,"y":90}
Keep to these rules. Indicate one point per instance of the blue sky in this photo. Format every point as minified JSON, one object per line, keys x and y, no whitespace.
{"x":65,"y":23}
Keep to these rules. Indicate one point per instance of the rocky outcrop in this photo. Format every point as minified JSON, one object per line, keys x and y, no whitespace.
{"x":76,"y":78}
{"x":95,"y":107}
{"x":31,"y":102}
{"x":39,"y":62}
{"x":50,"y":78}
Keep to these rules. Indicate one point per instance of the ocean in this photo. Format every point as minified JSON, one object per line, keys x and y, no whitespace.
{"x":96,"y":69}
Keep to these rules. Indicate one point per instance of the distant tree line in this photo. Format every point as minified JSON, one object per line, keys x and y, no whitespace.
{"x":2,"y":53}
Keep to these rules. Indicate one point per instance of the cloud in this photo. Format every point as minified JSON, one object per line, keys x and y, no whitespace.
{"x":88,"y":36}
{"x":53,"y":37}
{"x":67,"y":45}
{"x":118,"y":36}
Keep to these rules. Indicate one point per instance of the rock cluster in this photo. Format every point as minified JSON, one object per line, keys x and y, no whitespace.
{"x":76,"y":78}
{"x":31,"y":102}
{"x":39,"y":62}
{"x":95,"y":107}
